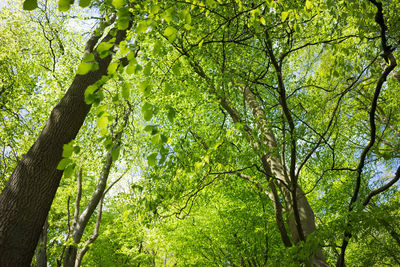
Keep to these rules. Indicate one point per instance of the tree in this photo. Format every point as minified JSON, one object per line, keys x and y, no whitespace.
{"x":289,"y":100}
{"x":27,"y":197}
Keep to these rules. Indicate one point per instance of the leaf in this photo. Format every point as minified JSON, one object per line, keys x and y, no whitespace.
{"x":147,"y":69}
{"x":171,"y":114}
{"x":64,"y":5}
{"x":103,"y":49}
{"x":63,"y":163}
{"x":115,"y":153}
{"x":89,"y":97}
{"x":141,"y":27}
{"x":118,"y":3}
{"x":102,"y":121}
{"x":156,"y":139}
{"x":262,"y":20}
{"x":77,"y":149}
{"x":112,"y":67}
{"x":84,"y":3}
{"x":157,"y":47}
{"x":285,"y":14}
{"x":30,"y":4}
{"x":152,"y":159}
{"x":67,"y":150}
{"x":125,"y":91}
{"x":169,"y":31}
{"x":123,"y":24}
{"x":145,"y":87}
{"x":84,"y":68}
{"x":309,"y":5}
{"x":147,"y":110}
{"x":69,"y":170}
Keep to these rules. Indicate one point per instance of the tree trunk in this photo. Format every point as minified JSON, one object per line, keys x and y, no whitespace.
{"x":83,"y":218}
{"x":41,"y":249}
{"x":27,"y":197}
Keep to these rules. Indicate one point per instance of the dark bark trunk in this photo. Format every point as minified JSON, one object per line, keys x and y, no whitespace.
{"x":27,"y":197}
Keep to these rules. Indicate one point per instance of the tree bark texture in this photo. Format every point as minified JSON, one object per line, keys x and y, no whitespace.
{"x":27,"y":197}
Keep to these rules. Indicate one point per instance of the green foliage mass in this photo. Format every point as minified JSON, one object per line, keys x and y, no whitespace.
{"x":195,"y":189}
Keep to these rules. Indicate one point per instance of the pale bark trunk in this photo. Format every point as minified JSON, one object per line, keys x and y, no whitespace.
{"x":272,"y":164}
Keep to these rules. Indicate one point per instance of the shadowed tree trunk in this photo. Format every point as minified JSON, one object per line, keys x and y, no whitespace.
{"x":27,"y":197}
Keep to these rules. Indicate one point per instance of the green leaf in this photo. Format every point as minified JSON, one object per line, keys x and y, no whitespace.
{"x":309,"y":5}
{"x":84,"y":3}
{"x":102,"y":121}
{"x":262,"y":20}
{"x":125,"y":91}
{"x":147,"y":69}
{"x":171,"y":114}
{"x":64,"y":5}
{"x":170,"y":32}
{"x":84,"y":68}
{"x":147,"y":110}
{"x":103,"y":49}
{"x":112,"y":68}
{"x":118,"y":3}
{"x":141,"y":27}
{"x":156,"y":139}
{"x":67,"y":150}
{"x":63,"y":163}
{"x":77,"y":149}
{"x":145,"y":87}
{"x":89,"y":97}
{"x":30,"y":4}
{"x":115,"y":153}
{"x":157,"y":47}
{"x":285,"y":15}
{"x":152,"y":159}
{"x":69,"y":170}
{"x":123,"y":24}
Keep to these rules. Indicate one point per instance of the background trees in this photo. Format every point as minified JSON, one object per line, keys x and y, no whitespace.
{"x":262,"y":133}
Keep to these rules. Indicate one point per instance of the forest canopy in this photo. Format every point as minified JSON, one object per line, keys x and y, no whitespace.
{"x":199,"y":133}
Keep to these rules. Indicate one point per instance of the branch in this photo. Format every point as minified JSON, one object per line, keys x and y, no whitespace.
{"x":383,"y":188}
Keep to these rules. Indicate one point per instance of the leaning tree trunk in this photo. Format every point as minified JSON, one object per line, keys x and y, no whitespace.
{"x":27,"y":197}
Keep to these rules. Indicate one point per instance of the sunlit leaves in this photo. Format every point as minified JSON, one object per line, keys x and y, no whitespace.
{"x":152,"y":159}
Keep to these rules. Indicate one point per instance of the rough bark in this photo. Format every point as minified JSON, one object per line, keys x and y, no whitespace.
{"x":27,"y":197}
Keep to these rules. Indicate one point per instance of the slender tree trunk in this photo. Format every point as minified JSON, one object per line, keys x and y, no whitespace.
{"x":41,"y":249}
{"x":83,"y":219}
{"x":27,"y":197}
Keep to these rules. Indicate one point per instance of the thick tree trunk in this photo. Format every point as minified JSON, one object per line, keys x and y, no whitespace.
{"x":27,"y":197}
